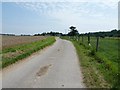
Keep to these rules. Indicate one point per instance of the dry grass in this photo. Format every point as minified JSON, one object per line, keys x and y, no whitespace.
{"x":8,"y":41}
{"x":17,"y":48}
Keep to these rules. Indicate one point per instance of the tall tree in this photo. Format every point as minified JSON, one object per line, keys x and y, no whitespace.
{"x":73,"y":31}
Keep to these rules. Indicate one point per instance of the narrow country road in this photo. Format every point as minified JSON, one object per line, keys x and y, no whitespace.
{"x":56,"y":66}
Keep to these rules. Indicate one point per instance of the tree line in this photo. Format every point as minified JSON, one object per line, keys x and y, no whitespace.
{"x":74,"y":32}
{"x":49,"y":34}
{"x":112,"y":33}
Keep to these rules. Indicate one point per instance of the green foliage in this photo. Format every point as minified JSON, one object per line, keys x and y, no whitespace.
{"x":73,"y":31}
{"x":112,"y":33}
{"x":105,"y":61}
{"x":49,"y":34}
{"x":25,"y":49}
{"x":92,"y":52}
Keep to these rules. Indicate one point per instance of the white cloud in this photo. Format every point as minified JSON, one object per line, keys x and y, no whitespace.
{"x":74,"y":12}
{"x":80,"y":8}
{"x":83,"y":14}
{"x":60,"y":0}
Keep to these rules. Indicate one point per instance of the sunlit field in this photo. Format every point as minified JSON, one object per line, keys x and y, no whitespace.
{"x":104,"y":61}
{"x":16,"y":48}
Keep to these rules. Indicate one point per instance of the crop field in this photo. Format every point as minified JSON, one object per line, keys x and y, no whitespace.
{"x":8,"y":41}
{"x":103,"y":63}
{"x":15,"y":48}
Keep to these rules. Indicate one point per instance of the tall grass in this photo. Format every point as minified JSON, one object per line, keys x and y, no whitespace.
{"x":13,"y":54}
{"x":105,"y":60}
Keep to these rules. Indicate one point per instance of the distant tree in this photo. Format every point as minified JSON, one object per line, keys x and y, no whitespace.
{"x":112,"y":33}
{"x":8,"y":34}
{"x":51,"y":34}
{"x":43,"y":34}
{"x":73,"y":31}
{"x":118,"y":33}
{"x":37,"y":34}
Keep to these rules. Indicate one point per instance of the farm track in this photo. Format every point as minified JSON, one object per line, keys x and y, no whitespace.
{"x":54,"y":67}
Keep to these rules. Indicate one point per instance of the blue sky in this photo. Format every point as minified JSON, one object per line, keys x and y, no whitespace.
{"x":38,"y":17}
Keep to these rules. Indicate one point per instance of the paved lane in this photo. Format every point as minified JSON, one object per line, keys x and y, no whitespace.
{"x":56,"y":66}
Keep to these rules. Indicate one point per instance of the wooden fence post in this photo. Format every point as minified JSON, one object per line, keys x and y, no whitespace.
{"x":82,"y":38}
{"x":97,"y":44}
{"x":89,"y":39}
{"x":79,"y":38}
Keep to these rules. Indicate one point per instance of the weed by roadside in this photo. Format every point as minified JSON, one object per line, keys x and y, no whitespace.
{"x":18,"y":52}
{"x":98,"y":71}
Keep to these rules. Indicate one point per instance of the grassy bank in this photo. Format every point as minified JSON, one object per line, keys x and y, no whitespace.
{"x":13,"y":54}
{"x":98,"y":69}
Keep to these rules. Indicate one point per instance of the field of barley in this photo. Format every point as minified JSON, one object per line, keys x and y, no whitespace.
{"x":16,"y":48}
{"x":8,"y":41}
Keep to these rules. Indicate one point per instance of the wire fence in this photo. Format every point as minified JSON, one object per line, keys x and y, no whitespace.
{"x":106,"y":47}
{"x":87,"y":41}
{"x":106,"y":52}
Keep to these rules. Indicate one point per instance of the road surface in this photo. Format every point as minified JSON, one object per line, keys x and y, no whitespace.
{"x":56,"y":66}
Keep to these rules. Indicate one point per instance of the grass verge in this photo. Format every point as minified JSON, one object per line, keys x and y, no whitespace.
{"x":13,"y":54}
{"x":98,"y":72}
